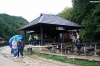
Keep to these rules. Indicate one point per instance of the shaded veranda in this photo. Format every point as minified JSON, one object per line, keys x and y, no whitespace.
{"x":51,"y":25}
{"x":53,"y":30}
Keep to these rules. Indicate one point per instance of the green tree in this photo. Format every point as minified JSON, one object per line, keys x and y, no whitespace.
{"x":66,"y":13}
{"x":87,"y":14}
{"x":9,"y":25}
{"x":92,"y":24}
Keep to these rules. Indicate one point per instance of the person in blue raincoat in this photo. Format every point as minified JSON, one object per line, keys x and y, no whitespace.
{"x":11,"y":49}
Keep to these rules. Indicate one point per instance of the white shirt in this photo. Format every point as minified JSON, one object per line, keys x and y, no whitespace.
{"x":14,"y":44}
{"x":78,"y":36}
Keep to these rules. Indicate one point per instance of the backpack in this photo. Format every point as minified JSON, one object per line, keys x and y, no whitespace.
{"x":80,"y":38}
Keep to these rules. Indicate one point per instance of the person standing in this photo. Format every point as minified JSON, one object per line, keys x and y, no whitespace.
{"x":14,"y":47}
{"x":20,"y":48}
{"x":11,"y":48}
{"x":30,"y":39}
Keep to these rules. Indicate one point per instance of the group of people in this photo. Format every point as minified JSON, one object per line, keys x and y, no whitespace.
{"x":17,"y":48}
{"x":77,"y":39}
{"x":32,"y":40}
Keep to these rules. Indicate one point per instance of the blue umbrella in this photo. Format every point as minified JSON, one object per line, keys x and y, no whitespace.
{"x":12,"y":38}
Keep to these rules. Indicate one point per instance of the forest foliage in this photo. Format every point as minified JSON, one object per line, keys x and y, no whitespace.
{"x":83,"y":12}
{"x":9,"y":25}
{"x":87,"y":14}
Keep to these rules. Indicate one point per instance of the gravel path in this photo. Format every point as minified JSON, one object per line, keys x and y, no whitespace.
{"x":6,"y":59}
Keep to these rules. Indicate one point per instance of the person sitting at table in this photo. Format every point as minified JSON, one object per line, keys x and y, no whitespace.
{"x":34,"y":41}
{"x":78,"y":38}
{"x":73,"y":38}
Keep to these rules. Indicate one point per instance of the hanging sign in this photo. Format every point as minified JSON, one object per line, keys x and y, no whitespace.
{"x":60,"y":28}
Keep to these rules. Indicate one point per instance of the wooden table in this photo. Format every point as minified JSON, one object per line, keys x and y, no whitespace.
{"x":95,"y":48}
{"x":58,"y":45}
{"x":79,"y":46}
{"x":53,"y":46}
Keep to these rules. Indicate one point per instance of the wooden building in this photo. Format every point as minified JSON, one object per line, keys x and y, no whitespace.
{"x":50,"y":27}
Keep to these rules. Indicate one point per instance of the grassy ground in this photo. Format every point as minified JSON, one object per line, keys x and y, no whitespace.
{"x":65,"y":60}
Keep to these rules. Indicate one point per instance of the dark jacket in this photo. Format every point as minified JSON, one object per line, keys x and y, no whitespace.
{"x":20,"y":45}
{"x":34,"y":40}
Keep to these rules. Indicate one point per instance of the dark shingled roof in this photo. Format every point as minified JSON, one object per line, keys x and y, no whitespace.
{"x":50,"y":20}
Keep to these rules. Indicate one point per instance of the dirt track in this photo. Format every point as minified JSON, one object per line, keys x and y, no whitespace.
{"x":6,"y":59}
